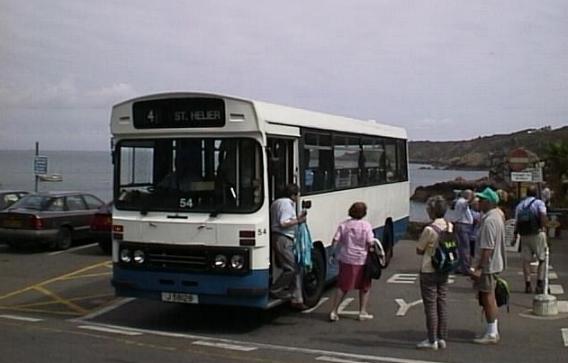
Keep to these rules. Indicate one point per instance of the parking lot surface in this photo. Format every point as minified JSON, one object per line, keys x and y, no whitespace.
{"x":69,"y":293}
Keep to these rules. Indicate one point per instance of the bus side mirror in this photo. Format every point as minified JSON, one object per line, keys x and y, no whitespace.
{"x":306,"y":204}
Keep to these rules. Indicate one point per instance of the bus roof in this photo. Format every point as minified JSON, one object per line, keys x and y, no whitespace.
{"x":292,"y":116}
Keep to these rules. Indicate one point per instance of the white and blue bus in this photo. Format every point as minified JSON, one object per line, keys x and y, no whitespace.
{"x":194,"y":177}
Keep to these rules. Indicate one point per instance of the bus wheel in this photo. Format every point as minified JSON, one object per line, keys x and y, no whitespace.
{"x":314,"y":279}
{"x":388,"y":242}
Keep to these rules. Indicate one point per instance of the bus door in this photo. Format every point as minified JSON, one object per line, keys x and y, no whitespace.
{"x":281,"y":161}
{"x":280,"y":156}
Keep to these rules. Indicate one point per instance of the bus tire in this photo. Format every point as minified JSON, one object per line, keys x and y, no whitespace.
{"x":388,"y":242}
{"x":313,"y":281}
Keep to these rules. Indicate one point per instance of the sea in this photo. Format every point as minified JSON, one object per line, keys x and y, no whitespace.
{"x":91,"y":171}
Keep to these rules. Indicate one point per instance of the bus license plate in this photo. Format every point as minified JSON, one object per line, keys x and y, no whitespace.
{"x":179,"y":297}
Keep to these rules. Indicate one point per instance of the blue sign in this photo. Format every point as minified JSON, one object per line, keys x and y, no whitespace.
{"x":40,"y":165}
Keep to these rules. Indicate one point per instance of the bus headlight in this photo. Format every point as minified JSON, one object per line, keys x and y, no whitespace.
{"x":220,"y":261}
{"x":139,"y":256}
{"x":237,"y":262}
{"x":125,"y":255}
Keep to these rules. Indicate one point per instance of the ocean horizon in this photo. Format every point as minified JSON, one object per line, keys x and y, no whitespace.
{"x":91,"y":172}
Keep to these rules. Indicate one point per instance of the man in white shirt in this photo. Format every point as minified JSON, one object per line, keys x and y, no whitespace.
{"x":489,"y":261}
{"x":463,"y":227}
{"x":283,"y":228}
{"x":533,"y":236}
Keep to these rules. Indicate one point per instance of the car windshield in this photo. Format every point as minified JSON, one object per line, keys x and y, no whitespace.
{"x":212,"y":175}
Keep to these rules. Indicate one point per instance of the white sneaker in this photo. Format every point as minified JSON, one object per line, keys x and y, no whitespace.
{"x":333,"y":316}
{"x":365,"y":316}
{"x":425,"y":344}
{"x":487,"y":339}
{"x":442,"y":344}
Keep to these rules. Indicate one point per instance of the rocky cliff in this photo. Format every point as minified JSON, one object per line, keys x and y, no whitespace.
{"x":483,"y":152}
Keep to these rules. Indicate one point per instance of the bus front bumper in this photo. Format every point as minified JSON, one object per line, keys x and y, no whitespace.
{"x":249,"y":290}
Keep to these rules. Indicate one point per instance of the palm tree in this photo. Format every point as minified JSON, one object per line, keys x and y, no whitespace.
{"x":556,"y":170}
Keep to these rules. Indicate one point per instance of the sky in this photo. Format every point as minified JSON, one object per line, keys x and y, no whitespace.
{"x":442,"y":69}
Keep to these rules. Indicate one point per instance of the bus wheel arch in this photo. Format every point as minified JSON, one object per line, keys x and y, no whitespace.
{"x":313,"y":281}
{"x":387,"y":240}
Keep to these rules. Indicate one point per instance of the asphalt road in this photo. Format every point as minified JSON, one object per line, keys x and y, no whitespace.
{"x":60,"y":307}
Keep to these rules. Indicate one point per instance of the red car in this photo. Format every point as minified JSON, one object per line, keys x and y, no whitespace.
{"x":101,"y":226}
{"x":53,"y":219}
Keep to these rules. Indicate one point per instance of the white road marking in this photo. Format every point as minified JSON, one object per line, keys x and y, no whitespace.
{"x":556,"y":289}
{"x":241,"y":348}
{"x":281,"y":348}
{"x":109,"y":330}
{"x":552,"y":276}
{"x":320,"y":303}
{"x":402,"y":279}
{"x":403,"y":306}
{"x":337,"y":360}
{"x":72,"y":249}
{"x":344,"y":304}
{"x":21,"y":318}
{"x":565,"y":336}
{"x":562,"y":306}
{"x":104,"y":310}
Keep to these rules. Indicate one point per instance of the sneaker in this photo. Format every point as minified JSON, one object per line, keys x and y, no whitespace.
{"x":487,"y":339}
{"x":425,"y":344}
{"x":442,"y":344}
{"x":365,"y":316}
{"x":333,"y":316}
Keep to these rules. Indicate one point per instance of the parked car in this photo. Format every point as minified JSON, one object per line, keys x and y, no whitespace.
{"x":9,"y":197}
{"x":101,"y":227}
{"x":54,"y":219}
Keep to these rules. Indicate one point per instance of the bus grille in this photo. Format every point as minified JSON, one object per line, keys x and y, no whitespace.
{"x":177,"y":259}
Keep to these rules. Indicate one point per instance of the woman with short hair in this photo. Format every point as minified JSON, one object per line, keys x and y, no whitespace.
{"x":434,"y":284}
{"x":353,"y":238}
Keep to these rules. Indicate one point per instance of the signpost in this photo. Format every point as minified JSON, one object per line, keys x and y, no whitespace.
{"x":40,"y":165}
{"x":522,"y":176}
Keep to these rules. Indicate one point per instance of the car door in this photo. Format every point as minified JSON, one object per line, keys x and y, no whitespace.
{"x":78,"y":215}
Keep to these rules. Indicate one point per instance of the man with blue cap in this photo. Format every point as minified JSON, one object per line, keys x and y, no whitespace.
{"x":489,"y":261}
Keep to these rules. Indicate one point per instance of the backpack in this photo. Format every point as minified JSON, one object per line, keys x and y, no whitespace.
{"x":445,"y":258}
{"x":502,"y":292}
{"x":527,"y":221}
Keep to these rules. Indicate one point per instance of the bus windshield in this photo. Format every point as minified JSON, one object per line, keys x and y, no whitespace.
{"x":211,"y":175}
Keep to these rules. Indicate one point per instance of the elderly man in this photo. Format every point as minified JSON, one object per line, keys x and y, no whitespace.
{"x":531,"y":220}
{"x":463,"y":227}
{"x":489,"y":261}
{"x":283,"y":225}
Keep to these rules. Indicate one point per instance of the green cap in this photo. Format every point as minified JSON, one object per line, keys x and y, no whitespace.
{"x":488,"y":194}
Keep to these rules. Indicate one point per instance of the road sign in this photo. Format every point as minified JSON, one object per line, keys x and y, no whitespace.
{"x":522,"y":176}
{"x":40,"y":165}
{"x":518,"y":159}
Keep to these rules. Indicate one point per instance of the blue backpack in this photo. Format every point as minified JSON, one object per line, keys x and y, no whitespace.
{"x":445,"y":258}
{"x":527,"y":221}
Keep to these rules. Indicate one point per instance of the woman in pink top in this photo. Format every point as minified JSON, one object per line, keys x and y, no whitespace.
{"x":354,"y":237}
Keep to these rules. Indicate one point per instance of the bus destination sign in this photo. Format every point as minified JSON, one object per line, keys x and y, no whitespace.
{"x":179,"y":113}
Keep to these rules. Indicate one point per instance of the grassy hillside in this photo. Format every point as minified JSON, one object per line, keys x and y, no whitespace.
{"x":478,"y":153}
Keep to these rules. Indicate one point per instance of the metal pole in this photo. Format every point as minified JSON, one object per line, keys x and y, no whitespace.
{"x":546,"y":271}
{"x":36,"y":177}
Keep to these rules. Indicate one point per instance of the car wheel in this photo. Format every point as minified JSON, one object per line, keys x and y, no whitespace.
{"x":106,"y":247}
{"x":314,"y":279}
{"x":64,"y":240}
